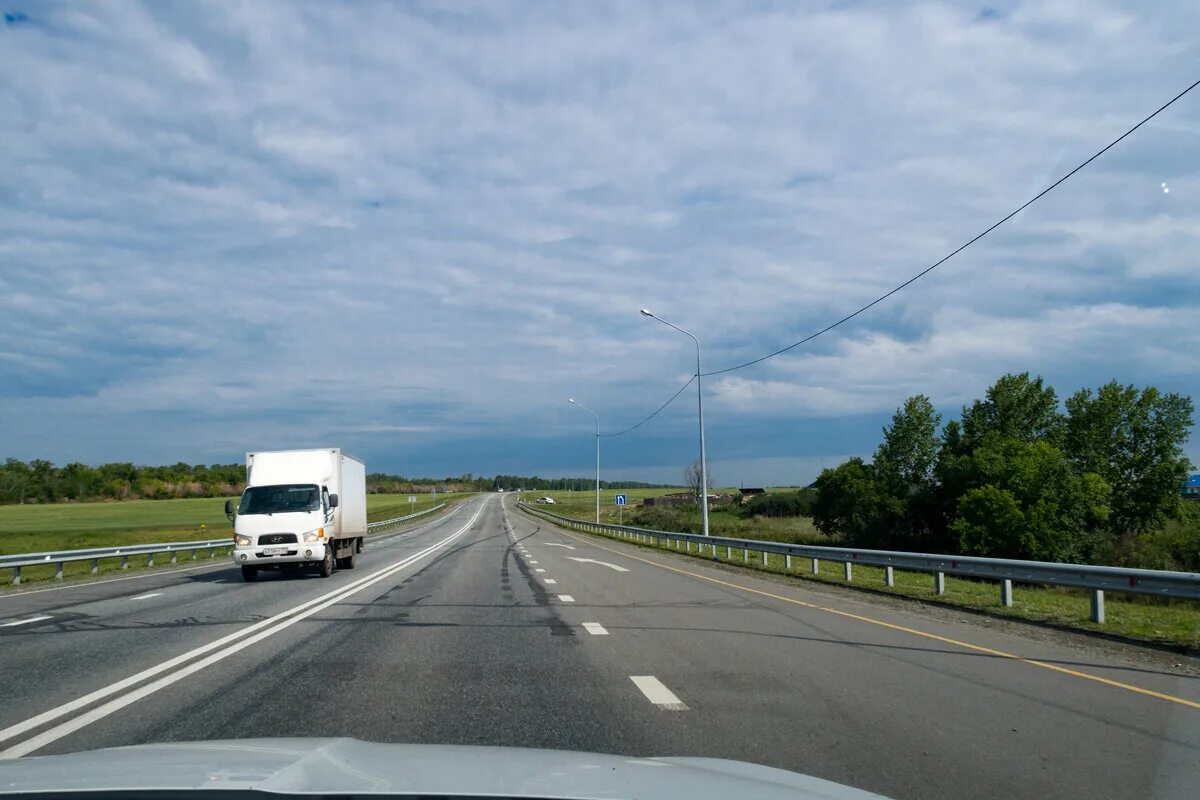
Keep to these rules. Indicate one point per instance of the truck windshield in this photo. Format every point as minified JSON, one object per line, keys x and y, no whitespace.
{"x":280,"y":499}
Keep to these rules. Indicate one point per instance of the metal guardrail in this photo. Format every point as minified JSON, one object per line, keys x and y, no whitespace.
{"x":1159,"y":583}
{"x":387,"y":523}
{"x":61,"y":557}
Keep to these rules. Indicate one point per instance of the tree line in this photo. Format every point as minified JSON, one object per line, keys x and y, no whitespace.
{"x":40,"y":481}
{"x":1017,"y":476}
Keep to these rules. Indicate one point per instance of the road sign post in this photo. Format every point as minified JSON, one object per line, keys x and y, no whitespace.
{"x":620,"y":501}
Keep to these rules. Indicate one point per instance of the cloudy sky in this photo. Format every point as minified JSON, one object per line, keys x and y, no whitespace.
{"x":414,"y":229}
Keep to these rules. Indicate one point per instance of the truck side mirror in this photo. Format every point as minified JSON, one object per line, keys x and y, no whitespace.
{"x":333,"y":501}
{"x":229,"y":510}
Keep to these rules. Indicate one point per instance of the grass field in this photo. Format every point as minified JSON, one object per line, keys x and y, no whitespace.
{"x":1136,"y":617}
{"x":687,"y":519}
{"x":68,"y":526}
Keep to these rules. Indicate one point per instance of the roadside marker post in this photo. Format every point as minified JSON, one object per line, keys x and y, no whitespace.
{"x":620,"y":501}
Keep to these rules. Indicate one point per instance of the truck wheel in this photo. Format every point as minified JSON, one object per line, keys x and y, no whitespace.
{"x":348,"y":561}
{"x":358,"y":545}
{"x":249,"y":574}
{"x":327,"y":565}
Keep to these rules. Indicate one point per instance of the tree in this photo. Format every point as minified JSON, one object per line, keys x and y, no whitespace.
{"x":846,"y":500}
{"x":692,"y":477}
{"x":1133,"y":439}
{"x":910,"y":444}
{"x":1016,"y":407}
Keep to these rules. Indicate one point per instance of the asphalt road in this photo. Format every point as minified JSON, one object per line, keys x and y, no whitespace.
{"x":489,"y":626}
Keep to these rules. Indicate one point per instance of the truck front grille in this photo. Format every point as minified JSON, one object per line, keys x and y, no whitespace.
{"x":277,"y":538}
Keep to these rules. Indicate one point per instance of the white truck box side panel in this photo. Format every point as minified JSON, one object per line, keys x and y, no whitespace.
{"x":352,"y":498}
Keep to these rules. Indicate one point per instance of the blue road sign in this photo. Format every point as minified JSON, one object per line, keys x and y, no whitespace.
{"x":620,"y":499}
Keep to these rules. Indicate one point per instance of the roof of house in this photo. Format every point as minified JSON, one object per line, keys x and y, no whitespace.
{"x":1192,"y":481}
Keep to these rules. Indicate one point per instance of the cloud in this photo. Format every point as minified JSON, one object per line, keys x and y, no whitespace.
{"x":405,"y":226}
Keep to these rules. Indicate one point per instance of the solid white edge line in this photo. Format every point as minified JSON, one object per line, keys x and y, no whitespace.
{"x":306,"y":608}
{"x":657,"y":693}
{"x":595,"y":629}
{"x":147,"y":596}
{"x":25,"y":621}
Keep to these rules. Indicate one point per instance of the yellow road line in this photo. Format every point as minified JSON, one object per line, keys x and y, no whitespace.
{"x":967,"y":645}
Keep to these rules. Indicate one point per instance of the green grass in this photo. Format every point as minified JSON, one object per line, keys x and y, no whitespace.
{"x":1136,"y":617}
{"x":69,"y":526}
{"x":722,"y":520}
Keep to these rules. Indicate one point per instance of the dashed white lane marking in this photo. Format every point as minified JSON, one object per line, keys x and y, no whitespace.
{"x":601,"y":563}
{"x":539,"y":569}
{"x":658,"y":694}
{"x":551,"y":581}
{"x":595,"y":629}
{"x":147,"y":596}
{"x":31,"y":620}
{"x":533,"y":562}
{"x":566,"y":598}
{"x":556,"y":544}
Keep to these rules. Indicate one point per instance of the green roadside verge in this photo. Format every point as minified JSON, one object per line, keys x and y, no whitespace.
{"x":43,"y":528}
{"x":1175,"y":623}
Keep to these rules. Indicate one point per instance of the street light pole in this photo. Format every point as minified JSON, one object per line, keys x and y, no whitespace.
{"x":572,"y":401}
{"x":700,"y":411}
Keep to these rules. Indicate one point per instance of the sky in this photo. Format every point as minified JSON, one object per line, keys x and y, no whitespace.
{"x":413,"y":230}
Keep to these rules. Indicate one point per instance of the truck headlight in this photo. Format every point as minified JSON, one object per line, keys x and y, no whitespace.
{"x":243,"y":541}
{"x":315,"y":536}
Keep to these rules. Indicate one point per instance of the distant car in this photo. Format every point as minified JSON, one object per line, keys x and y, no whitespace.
{"x":546,"y":501}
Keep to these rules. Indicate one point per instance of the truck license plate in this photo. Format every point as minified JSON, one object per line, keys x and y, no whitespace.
{"x":274,"y":551}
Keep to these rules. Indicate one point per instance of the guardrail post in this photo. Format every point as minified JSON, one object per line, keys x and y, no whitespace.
{"x":688,"y":545}
{"x":764,"y":558}
{"x":150,"y":560}
{"x":1006,"y":592}
{"x":95,"y":566}
{"x":58,"y":569}
{"x":746,"y":555}
{"x":729,"y":553}
{"x":212,"y":552}
{"x":889,"y":576}
{"x":787,"y":563}
{"x":939,"y":582}
{"x":849,"y":571}
{"x":16,"y":578}
{"x":816,"y":566}
{"x":124,"y":562}
{"x":174,"y":559}
{"x":1098,"y":606}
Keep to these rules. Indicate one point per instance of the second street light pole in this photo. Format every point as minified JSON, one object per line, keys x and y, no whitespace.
{"x":700,"y":410}
{"x":572,"y":401}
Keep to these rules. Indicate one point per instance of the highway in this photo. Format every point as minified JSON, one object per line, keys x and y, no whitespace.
{"x":488,"y":626}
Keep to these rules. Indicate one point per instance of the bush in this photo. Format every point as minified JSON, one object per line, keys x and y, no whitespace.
{"x":783,"y":504}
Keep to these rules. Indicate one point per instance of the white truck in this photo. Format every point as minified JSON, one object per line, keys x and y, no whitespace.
{"x":301,"y":508}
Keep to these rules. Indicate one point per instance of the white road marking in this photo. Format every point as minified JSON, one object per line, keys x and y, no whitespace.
{"x":556,"y":544}
{"x":147,"y":596}
{"x":539,"y":569}
{"x":551,"y":581}
{"x":595,"y":561}
{"x":25,"y":621}
{"x":280,"y":621}
{"x":658,"y":694}
{"x":151,"y":573}
{"x":595,"y":629}
{"x":566,"y":598}
{"x":532,"y":562}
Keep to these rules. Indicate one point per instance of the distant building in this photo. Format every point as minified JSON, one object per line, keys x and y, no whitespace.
{"x":1191,"y":487}
{"x":750,"y":492}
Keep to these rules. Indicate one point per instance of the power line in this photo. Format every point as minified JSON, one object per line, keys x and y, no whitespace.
{"x":652,"y":416}
{"x":960,"y":248}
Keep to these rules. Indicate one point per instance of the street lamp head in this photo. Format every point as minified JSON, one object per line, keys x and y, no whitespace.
{"x":646,"y":313}
{"x":570,"y":399}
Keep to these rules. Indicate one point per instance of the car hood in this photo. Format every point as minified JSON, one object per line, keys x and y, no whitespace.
{"x":349,"y":766}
